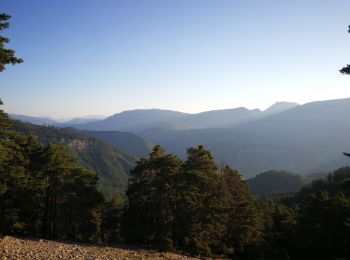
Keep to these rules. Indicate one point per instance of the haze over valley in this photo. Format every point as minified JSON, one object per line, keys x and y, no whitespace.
{"x":300,"y":138}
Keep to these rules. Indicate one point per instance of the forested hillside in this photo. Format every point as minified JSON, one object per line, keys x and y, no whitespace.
{"x":274,"y":181}
{"x":112,"y":165}
{"x":43,"y":189}
{"x":124,"y":141}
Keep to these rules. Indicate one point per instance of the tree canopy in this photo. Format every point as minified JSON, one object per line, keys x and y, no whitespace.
{"x":191,"y":205}
{"x":43,"y":190}
{"x":7,"y":56}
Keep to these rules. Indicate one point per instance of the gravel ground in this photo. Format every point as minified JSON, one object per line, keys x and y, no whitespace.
{"x":29,"y":248}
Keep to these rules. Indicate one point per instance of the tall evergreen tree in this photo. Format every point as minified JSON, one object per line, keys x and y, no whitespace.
{"x":70,"y":196}
{"x":197,"y":197}
{"x":112,"y":216}
{"x":242,"y":222}
{"x":151,"y":199}
{"x":7,"y":56}
{"x":56,"y":164}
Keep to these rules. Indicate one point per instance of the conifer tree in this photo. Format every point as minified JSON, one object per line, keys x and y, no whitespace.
{"x":198,"y":187}
{"x":151,"y":198}
{"x":7,"y":56}
{"x":112,"y":215}
{"x":242,"y":222}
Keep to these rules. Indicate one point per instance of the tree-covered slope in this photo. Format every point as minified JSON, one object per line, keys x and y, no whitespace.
{"x":275,"y":181}
{"x":112,"y":165}
{"x":125,"y":141}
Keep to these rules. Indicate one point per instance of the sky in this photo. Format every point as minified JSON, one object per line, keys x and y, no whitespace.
{"x":93,"y":57}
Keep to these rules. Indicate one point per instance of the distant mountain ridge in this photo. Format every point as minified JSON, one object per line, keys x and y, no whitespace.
{"x":216,"y":118}
{"x":299,"y":138}
{"x":83,"y":120}
{"x":52,"y":122}
{"x":141,"y":119}
{"x":132,"y":120}
{"x":305,"y":138}
{"x":34,"y":120}
{"x":279,"y":107}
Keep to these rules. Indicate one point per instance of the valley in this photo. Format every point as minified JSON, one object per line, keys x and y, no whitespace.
{"x":299,"y":138}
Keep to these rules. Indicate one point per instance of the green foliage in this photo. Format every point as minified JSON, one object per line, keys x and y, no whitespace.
{"x":243,"y":234}
{"x":70,"y":193}
{"x":43,"y":190}
{"x":151,"y":198}
{"x":336,"y":182}
{"x":279,"y":228}
{"x":275,"y":181}
{"x":190,"y":205}
{"x":314,"y":224}
{"x":112,"y":165}
{"x":7,"y":56}
{"x":112,"y":214}
{"x":198,"y":191}
{"x":323,"y":230}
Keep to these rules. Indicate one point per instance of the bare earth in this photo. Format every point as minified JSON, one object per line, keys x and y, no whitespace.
{"x":28,"y":248}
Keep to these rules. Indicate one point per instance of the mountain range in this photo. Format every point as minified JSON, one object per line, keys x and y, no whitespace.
{"x":52,"y":122}
{"x":142,"y":119}
{"x":300,"y":138}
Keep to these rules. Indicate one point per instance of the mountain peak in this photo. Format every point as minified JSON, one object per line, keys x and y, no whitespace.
{"x":280,"y":107}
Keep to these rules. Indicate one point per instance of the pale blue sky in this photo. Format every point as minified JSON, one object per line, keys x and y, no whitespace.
{"x":86,"y":57}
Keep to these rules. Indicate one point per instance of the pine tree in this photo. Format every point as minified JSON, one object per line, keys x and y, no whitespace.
{"x":112,"y":215}
{"x":56,"y":163}
{"x":7,"y":56}
{"x":197,"y":192}
{"x":70,"y":196}
{"x":78,"y":205}
{"x":243,"y":224}
{"x":151,"y":198}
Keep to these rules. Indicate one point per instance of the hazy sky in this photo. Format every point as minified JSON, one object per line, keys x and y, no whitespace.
{"x":87,"y":57}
